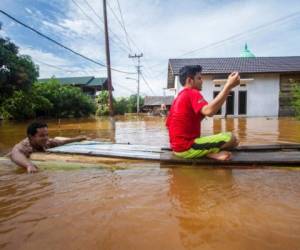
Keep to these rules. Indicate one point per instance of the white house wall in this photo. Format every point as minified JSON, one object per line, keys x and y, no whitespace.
{"x":262,"y":94}
{"x":263,"y":97}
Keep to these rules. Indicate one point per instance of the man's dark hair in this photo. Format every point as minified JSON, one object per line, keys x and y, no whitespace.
{"x":188,"y":71}
{"x":34,"y":126}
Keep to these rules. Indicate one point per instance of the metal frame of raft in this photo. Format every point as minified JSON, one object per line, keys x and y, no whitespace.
{"x":276,"y":154}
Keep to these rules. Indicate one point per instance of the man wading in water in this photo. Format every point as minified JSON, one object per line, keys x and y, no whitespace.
{"x":37,"y":141}
{"x":188,"y":110}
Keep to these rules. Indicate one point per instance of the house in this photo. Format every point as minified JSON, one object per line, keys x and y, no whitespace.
{"x":88,"y":84}
{"x":157,"y":104}
{"x":266,"y":82}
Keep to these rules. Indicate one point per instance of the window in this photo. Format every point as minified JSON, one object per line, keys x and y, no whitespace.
{"x":242,"y":102}
{"x":230,"y":104}
{"x":220,"y":110}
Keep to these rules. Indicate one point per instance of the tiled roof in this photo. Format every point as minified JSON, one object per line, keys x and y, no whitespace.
{"x":158,"y":100}
{"x":243,"y":65}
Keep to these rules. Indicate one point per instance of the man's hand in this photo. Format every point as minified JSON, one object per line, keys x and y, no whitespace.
{"x":32,"y":169}
{"x":233,"y":80}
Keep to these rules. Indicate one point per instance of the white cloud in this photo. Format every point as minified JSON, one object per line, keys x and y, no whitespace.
{"x":166,"y":29}
{"x":28,"y":10}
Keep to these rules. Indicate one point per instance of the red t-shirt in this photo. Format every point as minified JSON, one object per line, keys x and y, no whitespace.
{"x":184,"y":120}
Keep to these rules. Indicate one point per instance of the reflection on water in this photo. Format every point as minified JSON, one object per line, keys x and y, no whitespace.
{"x":151,"y":206}
{"x":223,"y":209}
{"x":152,"y":131}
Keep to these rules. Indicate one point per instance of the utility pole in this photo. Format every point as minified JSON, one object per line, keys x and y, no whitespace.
{"x":138,"y":56}
{"x":109,"y":82}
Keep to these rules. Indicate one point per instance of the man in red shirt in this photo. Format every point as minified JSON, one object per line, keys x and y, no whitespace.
{"x":188,"y":110}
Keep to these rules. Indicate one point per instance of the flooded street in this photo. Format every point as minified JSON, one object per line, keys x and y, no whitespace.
{"x":146,"y":205}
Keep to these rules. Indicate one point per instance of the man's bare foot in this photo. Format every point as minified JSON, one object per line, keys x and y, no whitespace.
{"x":221,"y":156}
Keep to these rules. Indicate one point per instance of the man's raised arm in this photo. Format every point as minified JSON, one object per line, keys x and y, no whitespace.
{"x":213,"y":107}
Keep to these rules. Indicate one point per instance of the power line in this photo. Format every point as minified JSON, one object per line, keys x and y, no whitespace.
{"x":114,"y":34}
{"x":121,"y":23}
{"x":147,"y":84}
{"x":60,"y":44}
{"x":123,"y":44}
{"x":61,"y":68}
{"x":245,"y":32}
{"x":124,"y":87}
{"x":73,"y":71}
{"x":232,"y":37}
{"x":122,"y":19}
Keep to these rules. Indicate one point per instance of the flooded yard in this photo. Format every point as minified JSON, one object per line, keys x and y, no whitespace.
{"x":146,"y":205}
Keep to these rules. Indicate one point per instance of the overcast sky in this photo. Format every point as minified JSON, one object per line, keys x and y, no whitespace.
{"x":160,"y":29}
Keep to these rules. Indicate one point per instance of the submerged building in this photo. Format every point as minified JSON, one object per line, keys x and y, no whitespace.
{"x":266,"y":82}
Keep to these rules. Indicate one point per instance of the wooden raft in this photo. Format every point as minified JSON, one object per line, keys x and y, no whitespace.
{"x":276,"y":154}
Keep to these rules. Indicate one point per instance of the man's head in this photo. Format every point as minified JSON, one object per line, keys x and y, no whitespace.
{"x":37,"y":133}
{"x":190,"y":76}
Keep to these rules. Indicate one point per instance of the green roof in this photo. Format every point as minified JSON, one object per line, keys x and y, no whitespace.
{"x":97,"y":81}
{"x":246,"y":52}
{"x":82,"y":80}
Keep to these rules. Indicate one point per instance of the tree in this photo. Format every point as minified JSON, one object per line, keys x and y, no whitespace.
{"x":121,"y":105}
{"x":102,"y":103}
{"x":66,"y":100}
{"x":132,"y":102}
{"x":50,"y":99}
{"x":23,"y":105}
{"x":17,"y":72}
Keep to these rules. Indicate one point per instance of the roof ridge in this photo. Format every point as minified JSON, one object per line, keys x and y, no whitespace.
{"x":235,"y":57}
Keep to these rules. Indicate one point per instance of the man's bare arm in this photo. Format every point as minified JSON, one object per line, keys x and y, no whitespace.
{"x":213,"y":107}
{"x":18,"y":157}
{"x":74,"y":139}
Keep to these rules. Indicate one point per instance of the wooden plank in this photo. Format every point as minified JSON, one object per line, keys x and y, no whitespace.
{"x":248,"y":154}
{"x":261,"y":147}
{"x":241,"y":158}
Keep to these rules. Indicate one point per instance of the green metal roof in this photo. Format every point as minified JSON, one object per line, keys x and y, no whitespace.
{"x":246,"y":52}
{"x":97,"y":81}
{"x":82,"y":80}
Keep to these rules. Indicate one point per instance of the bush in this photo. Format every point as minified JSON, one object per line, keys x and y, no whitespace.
{"x":23,"y":105}
{"x":49,"y":99}
{"x":102,"y":104}
{"x":121,"y":105}
{"x":67,"y":101}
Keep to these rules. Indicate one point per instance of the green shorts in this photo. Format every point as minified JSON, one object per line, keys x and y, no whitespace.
{"x":205,"y":145}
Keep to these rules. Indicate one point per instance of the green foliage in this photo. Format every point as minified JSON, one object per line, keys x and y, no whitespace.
{"x":17,"y":72}
{"x":121,"y":105}
{"x":49,"y":99}
{"x":102,"y":104}
{"x":296,"y":99}
{"x":132,"y":103}
{"x":22,"y":105}
{"x":67,"y":101}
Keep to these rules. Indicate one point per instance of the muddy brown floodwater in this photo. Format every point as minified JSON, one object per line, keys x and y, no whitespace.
{"x":149,"y":206}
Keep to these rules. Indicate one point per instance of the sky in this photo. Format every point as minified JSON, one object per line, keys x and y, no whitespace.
{"x":160,"y":29}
